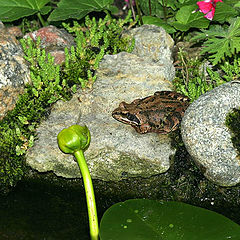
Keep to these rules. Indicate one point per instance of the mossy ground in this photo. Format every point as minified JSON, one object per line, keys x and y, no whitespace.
{"x":233,"y":123}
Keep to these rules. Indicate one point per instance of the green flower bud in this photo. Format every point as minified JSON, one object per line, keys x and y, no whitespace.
{"x":74,"y":138}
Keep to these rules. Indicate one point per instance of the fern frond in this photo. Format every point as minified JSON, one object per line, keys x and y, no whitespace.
{"x":221,"y":42}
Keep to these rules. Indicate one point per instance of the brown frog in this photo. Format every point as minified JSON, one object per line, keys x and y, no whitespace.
{"x":160,"y":113}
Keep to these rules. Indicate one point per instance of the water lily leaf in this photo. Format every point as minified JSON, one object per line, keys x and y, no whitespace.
{"x":77,"y":8}
{"x":11,"y":10}
{"x":142,"y":219}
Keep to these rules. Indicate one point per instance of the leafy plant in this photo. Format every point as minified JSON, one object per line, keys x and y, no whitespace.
{"x":14,"y":9}
{"x":221,"y":42}
{"x":17,"y":129}
{"x":93,"y":41}
{"x":77,"y":9}
{"x":194,"y":78}
{"x":45,"y":75}
{"x":182,"y":15}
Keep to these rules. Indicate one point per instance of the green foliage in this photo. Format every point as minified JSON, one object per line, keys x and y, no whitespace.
{"x":78,"y":9}
{"x":158,"y":22}
{"x":194,"y":78}
{"x":182,"y":15}
{"x":16,"y":136}
{"x":233,"y":123}
{"x":186,"y":18}
{"x":14,"y":9}
{"x":45,"y":75}
{"x":148,"y":219}
{"x":221,"y":42}
{"x":94,"y":39}
{"x":51,"y":82}
{"x":17,"y":129}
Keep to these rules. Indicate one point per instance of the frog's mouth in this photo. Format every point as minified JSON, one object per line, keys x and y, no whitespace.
{"x":126,"y":118}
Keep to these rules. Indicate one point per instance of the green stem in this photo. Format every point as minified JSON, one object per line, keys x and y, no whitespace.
{"x":150,"y":7}
{"x":132,"y":9}
{"x":41,"y":19}
{"x":139,"y":12}
{"x":164,"y":10}
{"x":91,"y":204}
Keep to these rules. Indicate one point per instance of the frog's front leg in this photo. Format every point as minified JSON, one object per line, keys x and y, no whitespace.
{"x":144,"y":128}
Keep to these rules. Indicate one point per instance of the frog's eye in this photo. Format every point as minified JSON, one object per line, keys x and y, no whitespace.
{"x":132,"y":118}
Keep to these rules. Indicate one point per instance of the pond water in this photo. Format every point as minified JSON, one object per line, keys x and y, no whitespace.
{"x":44,"y":207}
{"x":36,"y":210}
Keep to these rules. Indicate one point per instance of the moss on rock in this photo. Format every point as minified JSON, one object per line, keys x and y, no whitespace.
{"x":233,"y":123}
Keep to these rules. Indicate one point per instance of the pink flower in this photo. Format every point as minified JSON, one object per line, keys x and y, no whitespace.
{"x":208,"y":7}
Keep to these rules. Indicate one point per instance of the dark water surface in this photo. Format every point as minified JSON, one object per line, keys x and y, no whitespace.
{"x":44,"y":207}
{"x":40,"y":211}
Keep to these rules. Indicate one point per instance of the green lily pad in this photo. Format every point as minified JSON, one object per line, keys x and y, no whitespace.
{"x":142,"y":219}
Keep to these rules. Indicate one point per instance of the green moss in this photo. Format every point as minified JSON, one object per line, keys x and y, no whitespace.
{"x":93,"y":40}
{"x":51,"y":82}
{"x":233,"y":123}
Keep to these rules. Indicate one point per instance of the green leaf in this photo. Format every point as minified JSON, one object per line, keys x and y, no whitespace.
{"x":237,"y":4}
{"x":221,"y":42}
{"x":45,"y":10}
{"x":224,"y":12}
{"x":185,"y":13}
{"x":158,"y":22}
{"x":156,"y":8}
{"x":77,"y":8}
{"x":187,"y":18}
{"x":11,"y":10}
{"x":142,"y":219}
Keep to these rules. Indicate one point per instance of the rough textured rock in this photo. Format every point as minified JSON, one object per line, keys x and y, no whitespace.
{"x":206,"y":137}
{"x":14,"y":71}
{"x":116,"y":150}
{"x":153,"y":43}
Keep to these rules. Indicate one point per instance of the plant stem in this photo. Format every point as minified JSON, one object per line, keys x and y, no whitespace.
{"x":164,"y":10}
{"x":132,"y":9}
{"x":41,"y":19}
{"x":150,"y":8}
{"x":91,"y":204}
{"x":139,"y":12}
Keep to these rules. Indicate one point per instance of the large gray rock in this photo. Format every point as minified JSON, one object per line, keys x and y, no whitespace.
{"x":153,"y":43}
{"x":206,"y":137}
{"x":116,"y":150}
